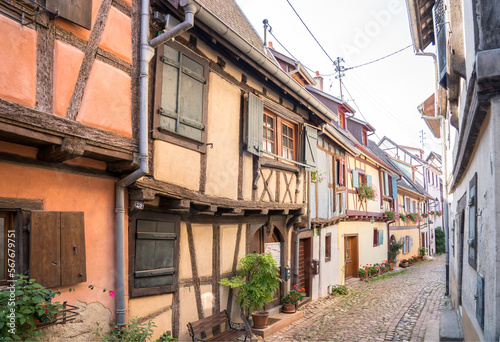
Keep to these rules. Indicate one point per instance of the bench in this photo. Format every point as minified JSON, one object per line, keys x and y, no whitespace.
{"x":234,"y":330}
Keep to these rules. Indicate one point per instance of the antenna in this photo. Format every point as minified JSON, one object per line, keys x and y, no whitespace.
{"x":340,"y":69}
{"x":422,"y":138}
{"x":266,"y":24}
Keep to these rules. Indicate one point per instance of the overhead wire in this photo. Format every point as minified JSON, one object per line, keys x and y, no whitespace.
{"x":379,"y":59}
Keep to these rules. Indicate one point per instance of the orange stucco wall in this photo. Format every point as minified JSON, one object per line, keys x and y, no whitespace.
{"x":117,"y":35}
{"x":94,"y":196}
{"x":107,"y":100}
{"x":67,"y":61}
{"x":17,"y":62}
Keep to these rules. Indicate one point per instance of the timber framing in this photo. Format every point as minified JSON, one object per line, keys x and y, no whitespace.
{"x":177,"y":197}
{"x":28,"y":126}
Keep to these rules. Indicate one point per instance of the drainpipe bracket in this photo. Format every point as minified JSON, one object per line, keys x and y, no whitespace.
{"x":149,"y":53}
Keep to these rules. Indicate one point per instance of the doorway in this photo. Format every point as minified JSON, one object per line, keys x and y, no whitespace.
{"x":351,"y":256}
{"x":268,"y":238}
{"x":305,"y":260}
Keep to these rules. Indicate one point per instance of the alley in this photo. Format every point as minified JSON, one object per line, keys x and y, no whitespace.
{"x":394,"y":308}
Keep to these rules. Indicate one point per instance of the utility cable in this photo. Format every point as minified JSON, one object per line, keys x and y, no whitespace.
{"x":379,"y":59}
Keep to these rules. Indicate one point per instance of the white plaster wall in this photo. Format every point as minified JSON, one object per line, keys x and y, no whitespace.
{"x":329,"y":271}
{"x":485,"y":161}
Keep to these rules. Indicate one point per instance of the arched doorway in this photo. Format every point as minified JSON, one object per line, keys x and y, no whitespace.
{"x":269,"y":239}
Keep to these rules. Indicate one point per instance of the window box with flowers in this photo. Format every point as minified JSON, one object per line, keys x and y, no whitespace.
{"x":390,"y":215}
{"x":412,"y":217}
{"x":318,"y":176}
{"x":403,"y":217}
{"x":292,"y":298}
{"x":366,"y":192}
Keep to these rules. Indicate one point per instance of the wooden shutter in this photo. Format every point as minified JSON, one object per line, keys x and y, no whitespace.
{"x":410,"y":243}
{"x":355,"y":178}
{"x":73,"y":268}
{"x":341,"y":171}
{"x":310,"y":147}
{"x":154,"y":254}
{"x":368,"y":180}
{"x":480,"y":300}
{"x":76,"y":11}
{"x":45,"y":248}
{"x":404,"y":204}
{"x":438,"y":13}
{"x":395,"y":188}
{"x":57,"y":248}
{"x":375,"y":237}
{"x":255,"y":129}
{"x":472,"y":241}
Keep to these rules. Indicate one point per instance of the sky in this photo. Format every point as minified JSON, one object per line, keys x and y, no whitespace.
{"x":386,"y":92}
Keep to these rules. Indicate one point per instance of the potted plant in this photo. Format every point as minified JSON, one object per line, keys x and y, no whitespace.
{"x":404,"y":263}
{"x":412,"y":217}
{"x":390,"y":214}
{"x":257,"y":281}
{"x":363,"y":273}
{"x":403,"y":217}
{"x":394,"y":249}
{"x":292,"y":298}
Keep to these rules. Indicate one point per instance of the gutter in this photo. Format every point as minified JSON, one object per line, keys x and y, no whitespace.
{"x":341,"y":140}
{"x":146,"y":54}
{"x":211,"y":20}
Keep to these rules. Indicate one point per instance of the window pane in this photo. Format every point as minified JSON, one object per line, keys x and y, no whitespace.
{"x":170,"y":53}
{"x":2,"y":248}
{"x":191,"y":98}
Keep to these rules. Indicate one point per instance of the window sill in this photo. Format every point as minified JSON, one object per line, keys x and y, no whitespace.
{"x":151,"y":291}
{"x":267,"y":161}
{"x":180,"y":140}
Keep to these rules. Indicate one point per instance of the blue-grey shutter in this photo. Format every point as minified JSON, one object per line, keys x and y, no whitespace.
{"x":255,"y":123}
{"x":154,"y":253}
{"x":380,"y":237}
{"x":410,"y":243}
{"x":386,"y":184}
{"x":395,"y":188}
{"x":480,"y":300}
{"x":310,"y":147}
{"x":438,"y":13}
{"x":355,"y":179}
{"x":368,"y":180}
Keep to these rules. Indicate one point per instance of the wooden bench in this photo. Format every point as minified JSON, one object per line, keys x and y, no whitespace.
{"x":234,"y":330}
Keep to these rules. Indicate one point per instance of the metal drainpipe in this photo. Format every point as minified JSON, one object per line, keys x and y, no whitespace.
{"x":146,"y":53}
{"x":389,"y":239}
{"x":445,"y":166}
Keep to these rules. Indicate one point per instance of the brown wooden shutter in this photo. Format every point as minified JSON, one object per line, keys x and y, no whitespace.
{"x":73,"y":268}
{"x":45,"y":248}
{"x":255,"y":129}
{"x":76,"y":11}
{"x":57,"y":248}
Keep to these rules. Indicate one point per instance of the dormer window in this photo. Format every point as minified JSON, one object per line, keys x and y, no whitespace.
{"x":365,"y":137}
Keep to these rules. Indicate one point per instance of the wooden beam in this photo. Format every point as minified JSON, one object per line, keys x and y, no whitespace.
{"x":20,"y":203}
{"x":71,"y":148}
{"x":124,"y":166}
{"x":249,"y":212}
{"x":167,"y":203}
{"x":142,"y":195}
{"x":198,"y":207}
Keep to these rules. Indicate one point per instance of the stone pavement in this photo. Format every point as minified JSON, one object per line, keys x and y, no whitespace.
{"x":395,"y":308}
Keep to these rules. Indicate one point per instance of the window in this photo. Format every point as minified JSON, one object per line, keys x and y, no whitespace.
{"x":5,"y":235}
{"x":385,"y":181}
{"x":279,"y":136}
{"x":342,"y":119}
{"x":375,"y":237}
{"x":328,"y":247}
{"x":472,"y":241}
{"x":340,"y":172}
{"x":155,"y":246}
{"x":181,"y":97}
{"x":365,"y":137}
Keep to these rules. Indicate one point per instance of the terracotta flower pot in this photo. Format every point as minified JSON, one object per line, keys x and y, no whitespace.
{"x":404,"y":264}
{"x":289,"y":308}
{"x":260,"y":319}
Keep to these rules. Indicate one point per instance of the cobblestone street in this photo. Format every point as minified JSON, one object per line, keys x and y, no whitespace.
{"x":395,"y":308}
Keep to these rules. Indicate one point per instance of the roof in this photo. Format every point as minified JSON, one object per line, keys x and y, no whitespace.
{"x":230,"y":13}
{"x":427,"y":109}
{"x":405,"y":181}
{"x":421,"y":23}
{"x":402,"y":149}
{"x":361,"y":122}
{"x":435,"y":155}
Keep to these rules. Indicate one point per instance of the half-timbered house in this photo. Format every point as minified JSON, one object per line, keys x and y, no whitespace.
{"x":232,"y":137}
{"x":68,"y":107}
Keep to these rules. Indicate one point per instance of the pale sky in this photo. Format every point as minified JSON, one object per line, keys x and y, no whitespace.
{"x":387,"y":92}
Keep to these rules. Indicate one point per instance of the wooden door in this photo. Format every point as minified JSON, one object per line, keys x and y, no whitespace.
{"x":305,"y":259}
{"x":351,"y":256}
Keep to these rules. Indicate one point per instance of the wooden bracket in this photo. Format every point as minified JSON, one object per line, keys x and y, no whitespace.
{"x":70,"y":148}
{"x":124,"y":166}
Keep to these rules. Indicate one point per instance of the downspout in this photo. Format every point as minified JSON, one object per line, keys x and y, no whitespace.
{"x":146,"y":54}
{"x":389,"y":239}
{"x":445,"y":166}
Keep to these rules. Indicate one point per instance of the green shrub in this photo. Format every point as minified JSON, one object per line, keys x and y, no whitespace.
{"x":440,"y":241}
{"x":340,"y":290}
{"x":134,"y":331}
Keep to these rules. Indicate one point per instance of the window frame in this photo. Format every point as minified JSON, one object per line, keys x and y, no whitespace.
{"x":8,"y":226}
{"x":171,"y":136}
{"x":375,"y":237}
{"x":150,"y":291}
{"x":278,"y":136}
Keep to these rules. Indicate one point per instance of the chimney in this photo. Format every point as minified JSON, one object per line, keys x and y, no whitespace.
{"x":271,"y":45}
{"x":319,"y":81}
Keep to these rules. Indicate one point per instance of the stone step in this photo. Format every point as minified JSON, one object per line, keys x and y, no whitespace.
{"x":450,"y":328}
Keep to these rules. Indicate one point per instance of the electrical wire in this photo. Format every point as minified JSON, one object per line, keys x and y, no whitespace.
{"x":379,"y":59}
{"x":326,"y":53}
